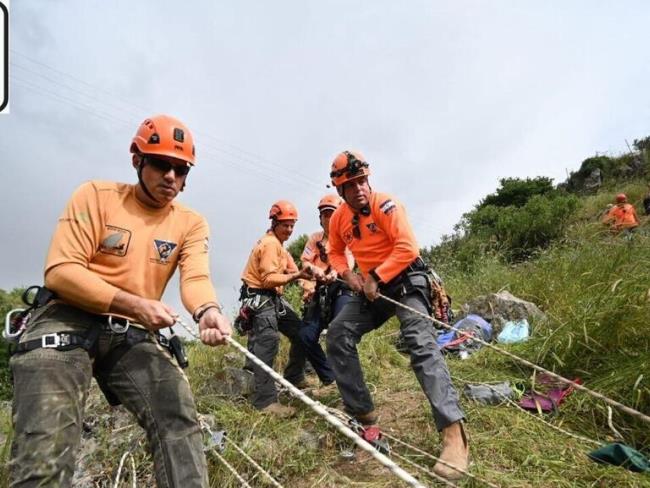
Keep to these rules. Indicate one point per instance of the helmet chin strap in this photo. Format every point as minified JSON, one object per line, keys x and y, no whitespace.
{"x":141,"y":182}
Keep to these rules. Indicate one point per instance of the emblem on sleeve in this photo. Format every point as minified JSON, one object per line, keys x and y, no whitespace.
{"x":387,"y":207}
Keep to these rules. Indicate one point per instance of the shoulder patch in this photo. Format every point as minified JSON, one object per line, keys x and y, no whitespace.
{"x":387,"y":207}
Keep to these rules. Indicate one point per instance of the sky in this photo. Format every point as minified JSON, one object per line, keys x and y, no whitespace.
{"x":443,"y":98}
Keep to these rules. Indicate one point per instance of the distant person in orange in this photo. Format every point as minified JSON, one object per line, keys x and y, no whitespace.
{"x":622,"y":216}
{"x":375,"y":228}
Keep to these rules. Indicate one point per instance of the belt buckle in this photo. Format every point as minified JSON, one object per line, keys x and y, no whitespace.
{"x":50,"y":341}
{"x":116,"y":327}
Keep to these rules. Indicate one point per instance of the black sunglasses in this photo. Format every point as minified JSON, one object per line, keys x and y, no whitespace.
{"x":356,"y":231}
{"x":164,"y":166}
{"x":322,"y":251}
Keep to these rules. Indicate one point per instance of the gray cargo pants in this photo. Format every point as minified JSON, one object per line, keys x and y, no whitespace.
{"x":50,"y":390}
{"x":358,"y":317}
{"x":264,"y":341}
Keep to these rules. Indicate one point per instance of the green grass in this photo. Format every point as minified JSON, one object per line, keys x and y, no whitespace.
{"x":595,"y":290}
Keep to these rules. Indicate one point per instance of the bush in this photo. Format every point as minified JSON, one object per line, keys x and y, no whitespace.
{"x":296,"y":246}
{"x":517,"y":232}
{"x":516,"y":192}
{"x":8,"y":301}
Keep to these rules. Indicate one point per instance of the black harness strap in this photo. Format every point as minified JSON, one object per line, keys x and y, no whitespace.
{"x":61,"y":341}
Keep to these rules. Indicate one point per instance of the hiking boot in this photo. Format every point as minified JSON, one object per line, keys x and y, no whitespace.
{"x":455,"y":453}
{"x":279,"y":410}
{"x":369,"y":418}
{"x":303,"y":384}
{"x":325,"y":390}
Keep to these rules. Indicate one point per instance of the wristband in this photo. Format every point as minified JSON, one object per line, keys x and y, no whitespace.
{"x":197,"y":315}
{"x":374,"y":274}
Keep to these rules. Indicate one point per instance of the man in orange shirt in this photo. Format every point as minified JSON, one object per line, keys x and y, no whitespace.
{"x":325,"y":297}
{"x":269,"y":269}
{"x":114,"y":249}
{"x":622,"y":216}
{"x":375,"y":228}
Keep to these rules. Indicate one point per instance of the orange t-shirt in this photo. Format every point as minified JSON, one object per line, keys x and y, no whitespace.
{"x":624,"y":217}
{"x":311,"y":254}
{"x":386,"y":244}
{"x":107,"y":240}
{"x":269,"y":265}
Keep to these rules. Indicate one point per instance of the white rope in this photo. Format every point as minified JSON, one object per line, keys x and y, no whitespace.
{"x":577,"y":386}
{"x":320,"y":409}
{"x":259,"y":468}
{"x":420,"y":451}
{"x":121,"y":465}
{"x":134,"y":480}
{"x":230,"y":468}
{"x":424,"y":470}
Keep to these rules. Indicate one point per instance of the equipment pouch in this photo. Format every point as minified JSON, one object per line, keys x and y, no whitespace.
{"x":244,"y":320}
{"x":178,"y":351}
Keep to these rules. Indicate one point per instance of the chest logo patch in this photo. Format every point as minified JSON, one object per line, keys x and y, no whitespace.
{"x":372,"y":227}
{"x":164,"y":249}
{"x":115,"y":240}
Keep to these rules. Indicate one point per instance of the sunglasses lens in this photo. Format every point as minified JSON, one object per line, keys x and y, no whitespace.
{"x":164,"y":166}
{"x":181,"y":170}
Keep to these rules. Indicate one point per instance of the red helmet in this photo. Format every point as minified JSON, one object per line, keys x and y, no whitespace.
{"x":163,"y":135}
{"x":347,"y":166}
{"x":283,"y":210}
{"x":621,"y":198}
{"x":329,"y":202}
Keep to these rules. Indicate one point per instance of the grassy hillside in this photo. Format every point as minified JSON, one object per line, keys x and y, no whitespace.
{"x":595,"y":289}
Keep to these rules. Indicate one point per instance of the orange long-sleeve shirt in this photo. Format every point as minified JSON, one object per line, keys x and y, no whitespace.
{"x":386,"y":244}
{"x":269,"y":265}
{"x":107,"y":240}
{"x":623,"y":216}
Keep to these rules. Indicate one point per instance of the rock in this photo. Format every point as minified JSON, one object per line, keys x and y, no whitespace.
{"x":235,"y":382}
{"x":499,"y":308}
{"x":594,"y":180}
{"x":307,"y":440}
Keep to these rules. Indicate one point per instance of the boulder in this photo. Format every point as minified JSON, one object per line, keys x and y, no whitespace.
{"x":594,"y":181}
{"x":234,"y":382}
{"x":499,"y":308}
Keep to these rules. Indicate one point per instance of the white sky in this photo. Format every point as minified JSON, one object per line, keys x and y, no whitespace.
{"x":443,"y":98}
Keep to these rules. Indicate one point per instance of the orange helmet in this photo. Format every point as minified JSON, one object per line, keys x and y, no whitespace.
{"x":329,"y":202}
{"x":283,"y":210}
{"x":163,"y":135}
{"x":621,"y":198}
{"x":347,"y":166}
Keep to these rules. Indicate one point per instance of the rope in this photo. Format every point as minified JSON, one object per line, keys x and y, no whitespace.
{"x":577,"y":386}
{"x":539,"y":419}
{"x":424,"y":453}
{"x":259,"y":468}
{"x":320,"y":409}
{"x":230,"y":468}
{"x":128,"y":453}
{"x":121,"y":465}
{"x":424,"y":470}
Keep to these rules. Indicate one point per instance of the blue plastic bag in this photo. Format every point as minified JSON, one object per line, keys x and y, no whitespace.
{"x":514,"y":332}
